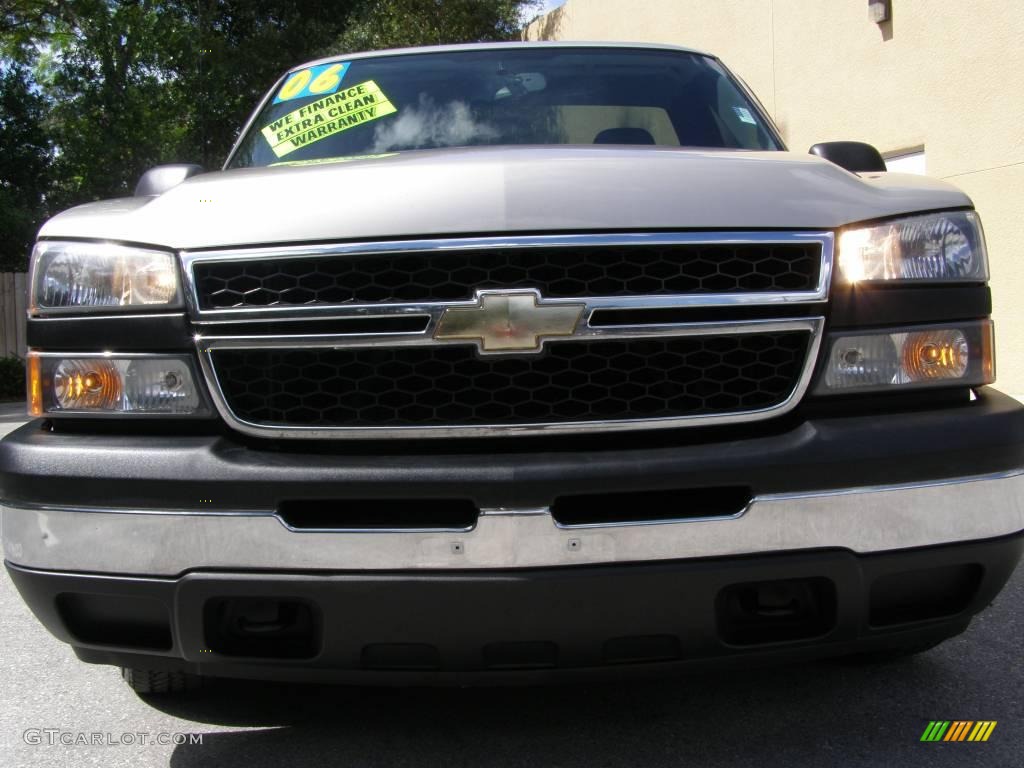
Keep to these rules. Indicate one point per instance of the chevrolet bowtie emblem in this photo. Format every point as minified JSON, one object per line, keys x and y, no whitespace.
{"x":508,"y":322}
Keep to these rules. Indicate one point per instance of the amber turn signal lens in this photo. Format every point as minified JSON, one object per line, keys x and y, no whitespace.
{"x":87,"y":384}
{"x":931,"y":356}
{"x":114,"y":384}
{"x":35,"y":386}
{"x":936,"y":355}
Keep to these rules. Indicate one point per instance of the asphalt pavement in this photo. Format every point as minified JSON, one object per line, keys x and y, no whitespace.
{"x":11,"y":416}
{"x":817,"y":715}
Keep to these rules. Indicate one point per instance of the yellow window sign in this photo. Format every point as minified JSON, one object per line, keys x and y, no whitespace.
{"x":348,"y":108}
{"x":330,"y":160}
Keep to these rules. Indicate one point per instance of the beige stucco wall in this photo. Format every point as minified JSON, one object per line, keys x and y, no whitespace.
{"x":943,"y":74}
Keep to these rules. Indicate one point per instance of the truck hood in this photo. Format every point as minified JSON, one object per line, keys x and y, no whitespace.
{"x":504,"y":190}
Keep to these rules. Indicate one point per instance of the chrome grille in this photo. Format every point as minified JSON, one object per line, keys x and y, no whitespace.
{"x":347,"y":361}
{"x":556,"y":272}
{"x":579,"y":381}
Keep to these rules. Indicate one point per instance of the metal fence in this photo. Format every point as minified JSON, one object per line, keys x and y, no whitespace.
{"x":13,"y":306}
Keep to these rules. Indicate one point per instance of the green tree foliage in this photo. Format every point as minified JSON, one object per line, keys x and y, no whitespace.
{"x":93,"y":92}
{"x":25,"y":157}
{"x":141,"y":82}
{"x":378,"y":24}
{"x":239,"y":49}
{"x":24,"y":24}
{"x":116,"y":103}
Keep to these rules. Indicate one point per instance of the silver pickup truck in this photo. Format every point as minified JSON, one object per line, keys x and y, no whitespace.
{"x":502,"y":362}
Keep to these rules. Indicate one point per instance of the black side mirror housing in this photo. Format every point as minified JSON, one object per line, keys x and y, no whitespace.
{"x":160,"y":178}
{"x":854,"y":156}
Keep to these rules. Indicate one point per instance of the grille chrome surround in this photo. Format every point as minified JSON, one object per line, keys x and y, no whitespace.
{"x":585,"y":381}
{"x":439,"y":246}
{"x":276,"y":319}
{"x":812,"y":326}
{"x":650,"y":267}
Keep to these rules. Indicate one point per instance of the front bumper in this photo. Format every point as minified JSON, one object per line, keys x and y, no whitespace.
{"x":163,"y":505}
{"x":526,"y":625}
{"x":167,"y":543}
{"x":122,"y":544}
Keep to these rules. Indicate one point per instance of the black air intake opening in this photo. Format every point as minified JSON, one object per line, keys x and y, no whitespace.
{"x":116,"y":620}
{"x":784,"y":610}
{"x":379,"y":514}
{"x":263,"y":627}
{"x":651,"y":506}
{"x":930,"y":593}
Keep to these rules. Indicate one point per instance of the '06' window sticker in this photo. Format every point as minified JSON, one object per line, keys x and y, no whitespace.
{"x":312,"y":81}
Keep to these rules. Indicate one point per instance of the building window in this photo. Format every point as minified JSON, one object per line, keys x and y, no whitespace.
{"x":906,"y":161}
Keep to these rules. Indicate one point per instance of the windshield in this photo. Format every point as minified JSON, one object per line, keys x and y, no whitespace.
{"x":502,"y":97}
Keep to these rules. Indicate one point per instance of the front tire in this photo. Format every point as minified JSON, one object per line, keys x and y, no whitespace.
{"x":152,"y":681}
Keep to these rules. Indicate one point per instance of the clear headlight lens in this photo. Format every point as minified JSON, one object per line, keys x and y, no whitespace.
{"x":108,"y":384}
{"x":922,"y":357}
{"x":937,"y":247}
{"x":70,"y":276}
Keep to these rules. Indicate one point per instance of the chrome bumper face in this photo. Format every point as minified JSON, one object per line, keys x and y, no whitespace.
{"x":167,"y":543}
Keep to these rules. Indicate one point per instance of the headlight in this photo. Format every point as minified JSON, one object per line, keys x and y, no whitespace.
{"x":930,"y":356}
{"x":936,"y":247}
{"x":113,"y":384}
{"x":70,"y":276}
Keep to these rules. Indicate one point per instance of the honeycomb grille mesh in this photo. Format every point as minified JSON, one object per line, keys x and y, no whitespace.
{"x":562,"y":272}
{"x":454,"y":386}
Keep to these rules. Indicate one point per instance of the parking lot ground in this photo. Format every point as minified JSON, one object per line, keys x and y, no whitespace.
{"x":12,"y":414}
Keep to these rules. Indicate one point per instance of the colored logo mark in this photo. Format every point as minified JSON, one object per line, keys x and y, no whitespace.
{"x":314,"y":81}
{"x":958,"y":730}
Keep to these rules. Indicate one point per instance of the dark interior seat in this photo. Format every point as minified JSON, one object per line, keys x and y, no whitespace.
{"x":624,"y":136}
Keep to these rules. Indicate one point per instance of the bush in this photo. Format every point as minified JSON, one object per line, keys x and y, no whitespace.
{"x":12,"y":378}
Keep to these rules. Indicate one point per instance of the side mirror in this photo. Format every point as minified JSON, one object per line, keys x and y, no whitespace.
{"x":160,"y":178}
{"x":854,"y":156}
